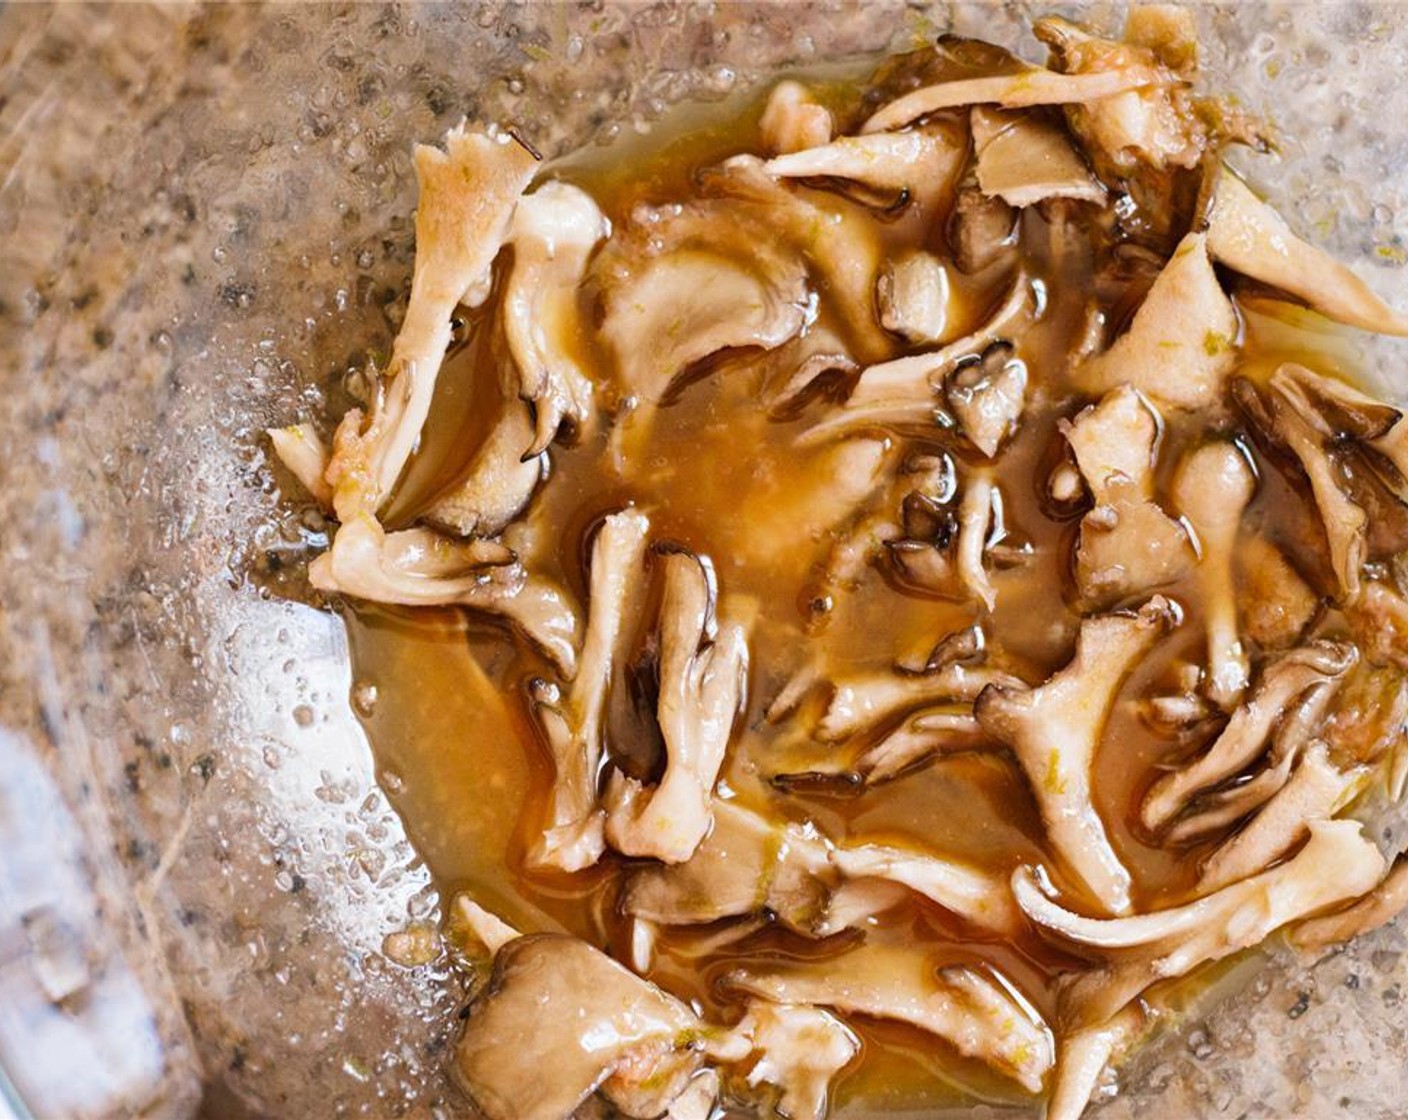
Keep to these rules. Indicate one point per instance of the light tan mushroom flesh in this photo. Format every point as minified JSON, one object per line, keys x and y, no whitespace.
{"x":1025,"y":159}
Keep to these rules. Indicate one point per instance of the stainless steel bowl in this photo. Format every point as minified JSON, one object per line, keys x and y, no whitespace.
{"x":204,"y":214}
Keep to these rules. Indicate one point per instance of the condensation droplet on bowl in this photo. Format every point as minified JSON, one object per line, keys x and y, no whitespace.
{"x":284,"y":881}
{"x":364,"y":698}
{"x":391,"y":781}
{"x":303,"y":715}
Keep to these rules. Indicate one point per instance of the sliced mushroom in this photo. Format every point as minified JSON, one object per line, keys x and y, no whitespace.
{"x":418,"y":568}
{"x":1082,"y":1056}
{"x":491,"y":931}
{"x":554,"y":1002}
{"x":302,"y":451}
{"x":786,"y":372}
{"x":1127,"y":544}
{"x":574,"y":725}
{"x":981,"y":1016}
{"x":919,"y":163}
{"x":1336,"y":864}
{"x":698,"y":1100}
{"x":1054,"y":731}
{"x":1282,"y":683}
{"x":1315,"y":790}
{"x":799,"y":1049}
{"x":903,"y":392}
{"x":1213,"y":486}
{"x":467,"y":197}
{"x":793,"y":121}
{"x":703,"y":680}
{"x":1383,"y":905}
{"x":1182,"y":342}
{"x":987,"y":396}
{"x":498,"y":481}
{"x":1277,"y":606}
{"x":1032,"y":86}
{"x":981,"y":230}
{"x":1153,"y":126}
{"x":913,"y":294}
{"x":977,"y":515}
{"x":1024,"y":159}
{"x":958,"y":674}
{"x":1247,"y":235}
{"x":553,"y":232}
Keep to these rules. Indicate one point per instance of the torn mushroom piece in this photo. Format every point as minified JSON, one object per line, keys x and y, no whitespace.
{"x":1024,"y":158}
{"x":929,"y":732}
{"x":554,"y":1002}
{"x":792,"y":121}
{"x":419,"y":568}
{"x":956,"y":672}
{"x":1284,"y":416}
{"x":903,"y":393}
{"x":913,"y":295}
{"x":986,"y":396}
{"x":553,"y":232}
{"x":1335,"y":865}
{"x":1153,"y":125}
{"x":303,"y":452}
{"x":1283,"y":683}
{"x":1182,"y":342}
{"x":977,"y":1012}
{"x":1212,"y":488}
{"x":1276,"y":605}
{"x":797,"y":1050}
{"x":1127,"y":544}
{"x":1083,"y":1056}
{"x":468,"y":193}
{"x":981,"y":230}
{"x":918,"y":163}
{"x":498,"y":481}
{"x":1247,"y":235}
{"x":574,"y":724}
{"x":977,"y":896}
{"x":1383,"y":905}
{"x":703,"y":681}
{"x":1315,"y":790}
{"x":1055,"y":729}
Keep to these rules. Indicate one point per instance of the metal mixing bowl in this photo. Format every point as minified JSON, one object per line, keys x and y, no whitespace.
{"x":205,"y":219}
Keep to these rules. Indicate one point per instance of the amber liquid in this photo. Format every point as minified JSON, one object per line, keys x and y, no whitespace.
{"x":461,"y":758}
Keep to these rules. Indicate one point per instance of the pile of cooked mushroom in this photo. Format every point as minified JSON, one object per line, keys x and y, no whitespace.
{"x":1012,"y":486}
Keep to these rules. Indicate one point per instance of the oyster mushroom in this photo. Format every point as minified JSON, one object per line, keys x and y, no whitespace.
{"x":468,"y":193}
{"x":1284,"y":415}
{"x":928,"y":732}
{"x":1054,"y":731}
{"x":1336,"y":864}
{"x":1023,"y":159}
{"x":987,"y":396}
{"x":1380,"y":621}
{"x":1127,"y":544}
{"x":977,"y":515}
{"x":553,"y":232}
{"x":913,"y":295}
{"x":956,"y":672}
{"x":977,"y":896}
{"x":918,"y":163}
{"x":1277,"y":606}
{"x":418,"y":568}
{"x":698,"y":1100}
{"x":792,"y":121}
{"x":303,"y":452}
{"x":554,"y":1002}
{"x":977,"y":1012}
{"x":680,"y":284}
{"x":497,"y":483}
{"x":981,"y":230}
{"x":799,"y":1049}
{"x":1378,"y":908}
{"x":1153,"y":125}
{"x":1182,"y":342}
{"x":703,"y":680}
{"x":1213,"y":486}
{"x":574,"y":724}
{"x":1247,"y":235}
{"x":747,"y":864}
{"x":1316,"y":788}
{"x":491,"y":931}
{"x":1031,"y":86}
{"x":1283,"y":681}
{"x":1082,"y":1056}
{"x":904,"y":392}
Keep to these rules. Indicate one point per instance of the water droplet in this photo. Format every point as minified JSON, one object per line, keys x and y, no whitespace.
{"x":392,"y":781}
{"x":364,"y":698}
{"x":284,"y":881}
{"x":303,"y":715}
